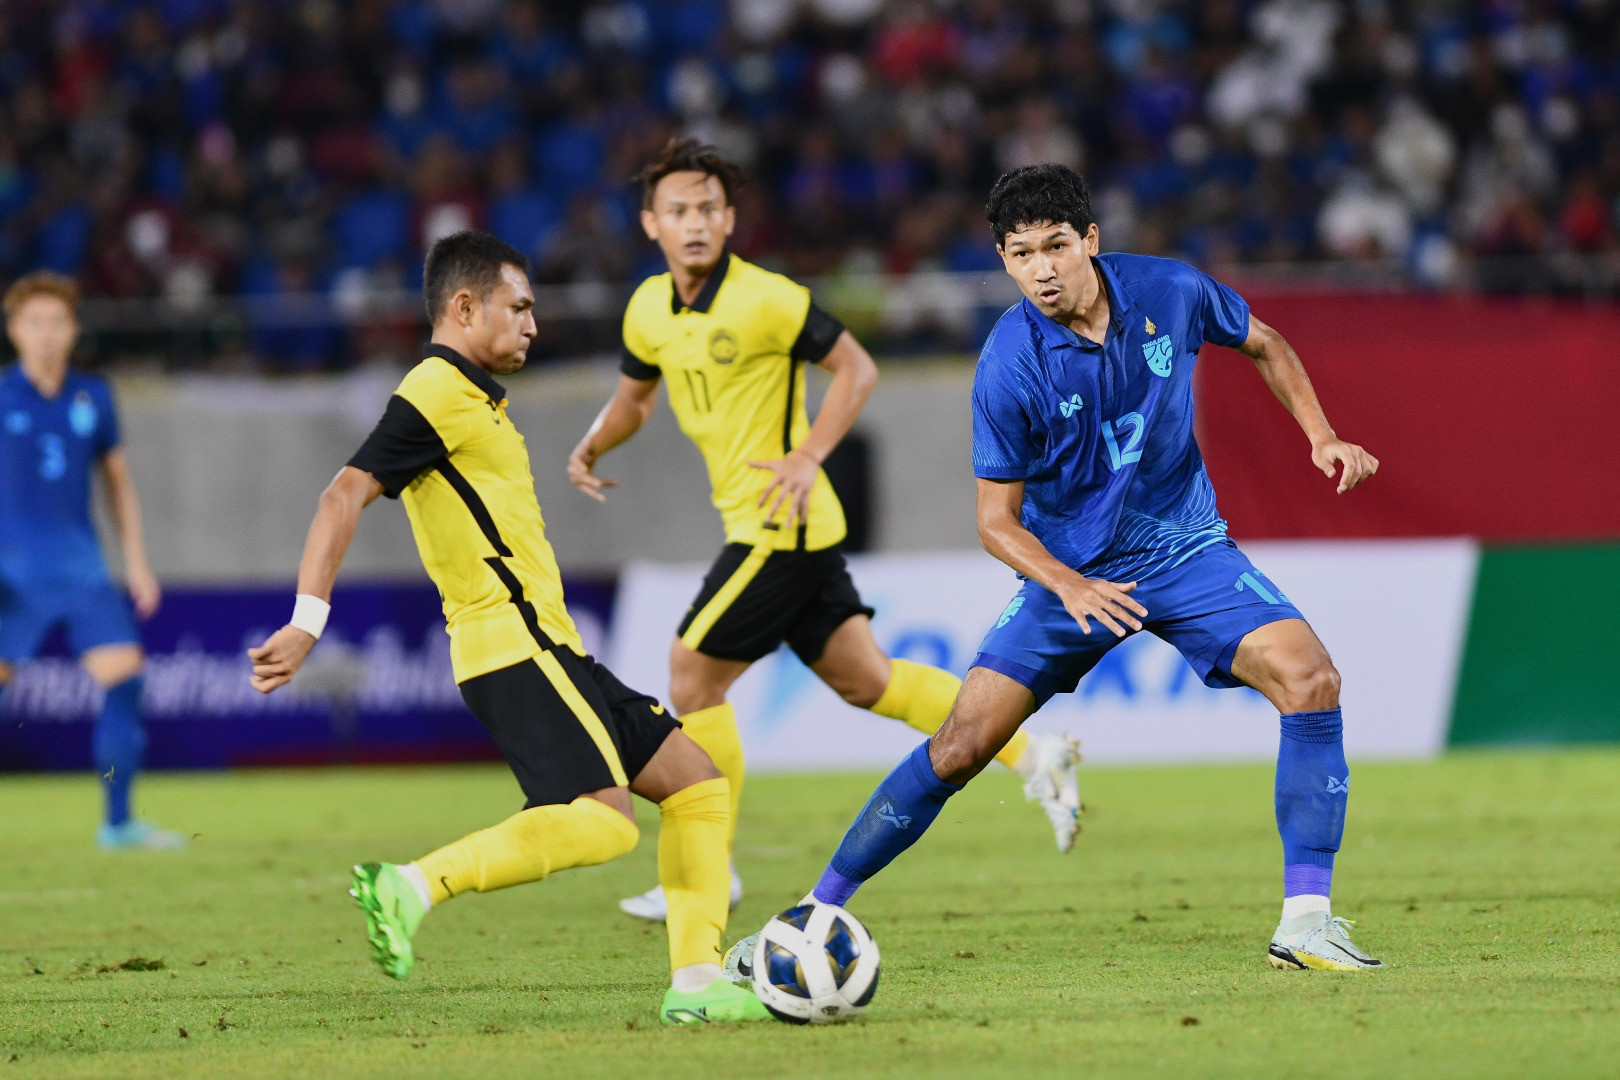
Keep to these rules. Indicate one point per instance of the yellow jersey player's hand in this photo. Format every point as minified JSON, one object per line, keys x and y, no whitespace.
{"x":580,"y":464}
{"x":278,"y":659}
{"x":792,"y":478}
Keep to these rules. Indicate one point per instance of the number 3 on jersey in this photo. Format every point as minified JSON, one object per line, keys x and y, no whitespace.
{"x":1132,"y":450}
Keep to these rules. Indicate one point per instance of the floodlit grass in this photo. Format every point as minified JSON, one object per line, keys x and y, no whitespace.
{"x":1487,"y":881}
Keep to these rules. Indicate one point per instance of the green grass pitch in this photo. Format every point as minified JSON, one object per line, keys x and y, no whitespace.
{"x":1487,"y":881}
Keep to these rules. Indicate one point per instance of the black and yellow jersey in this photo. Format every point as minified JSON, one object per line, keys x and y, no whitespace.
{"x":446,"y":447}
{"x":734,"y":360}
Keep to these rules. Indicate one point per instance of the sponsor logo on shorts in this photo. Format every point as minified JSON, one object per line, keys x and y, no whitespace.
{"x":1072,"y":406}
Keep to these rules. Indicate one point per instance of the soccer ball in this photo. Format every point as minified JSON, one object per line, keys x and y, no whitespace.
{"x":815,"y":964}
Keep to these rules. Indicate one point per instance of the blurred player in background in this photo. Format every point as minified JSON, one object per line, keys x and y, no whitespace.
{"x":578,"y":740}
{"x":1092,"y":487}
{"x":732,"y":339}
{"x":57,"y":426}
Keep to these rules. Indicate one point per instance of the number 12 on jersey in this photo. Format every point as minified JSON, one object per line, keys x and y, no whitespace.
{"x":1131,"y":452}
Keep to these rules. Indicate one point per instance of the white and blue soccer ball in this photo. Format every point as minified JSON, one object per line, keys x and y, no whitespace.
{"x":815,"y":964}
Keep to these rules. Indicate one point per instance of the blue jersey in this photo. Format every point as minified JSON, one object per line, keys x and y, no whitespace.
{"x":1102,"y":435}
{"x":48,"y":448}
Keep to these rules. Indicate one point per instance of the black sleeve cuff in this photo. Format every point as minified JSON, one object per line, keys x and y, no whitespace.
{"x":633,"y":366}
{"x":821,"y":332}
{"x":402,"y":446}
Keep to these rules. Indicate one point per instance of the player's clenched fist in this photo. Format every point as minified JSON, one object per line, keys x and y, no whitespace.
{"x":278,"y":659}
{"x":1329,"y":454}
{"x":1108,"y":602}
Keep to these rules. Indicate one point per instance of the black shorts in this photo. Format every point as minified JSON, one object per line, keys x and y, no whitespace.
{"x":753,"y":600}
{"x":566,"y":725}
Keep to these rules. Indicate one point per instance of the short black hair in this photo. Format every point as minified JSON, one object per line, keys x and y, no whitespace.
{"x":690,"y":155}
{"x":465,"y":260}
{"x":1048,"y":194}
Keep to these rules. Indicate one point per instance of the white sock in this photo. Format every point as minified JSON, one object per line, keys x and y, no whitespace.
{"x":413,"y":874}
{"x":1295,"y":906}
{"x":695,"y":977}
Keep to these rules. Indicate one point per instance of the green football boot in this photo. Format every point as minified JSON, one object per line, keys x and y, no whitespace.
{"x":721,"y":1002}
{"x":393,"y":912}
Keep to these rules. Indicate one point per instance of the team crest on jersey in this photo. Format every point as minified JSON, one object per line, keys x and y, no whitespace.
{"x":82,"y":415}
{"x":1147,"y":325}
{"x":1159,"y":355}
{"x":722,"y":346}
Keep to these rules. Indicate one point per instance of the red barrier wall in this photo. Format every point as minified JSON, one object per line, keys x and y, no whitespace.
{"x":1495,"y":418}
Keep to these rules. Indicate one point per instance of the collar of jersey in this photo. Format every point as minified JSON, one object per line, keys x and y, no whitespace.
{"x":704,"y":300}
{"x":475,"y":374}
{"x":1056,"y":334}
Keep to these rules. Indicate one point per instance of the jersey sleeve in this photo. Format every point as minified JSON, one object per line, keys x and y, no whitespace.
{"x":1224,"y":314}
{"x":1005,"y":443}
{"x":108,"y":434}
{"x":402,"y":446}
{"x":817,"y":337}
{"x":635,"y":348}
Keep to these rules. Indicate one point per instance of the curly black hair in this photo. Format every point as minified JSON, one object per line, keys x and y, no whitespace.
{"x":1046,"y":194}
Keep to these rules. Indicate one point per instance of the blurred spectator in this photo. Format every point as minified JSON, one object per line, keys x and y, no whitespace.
{"x":181,"y":150}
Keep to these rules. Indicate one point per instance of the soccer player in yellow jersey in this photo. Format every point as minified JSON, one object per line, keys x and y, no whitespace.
{"x":578,"y":740}
{"x":732,"y":340}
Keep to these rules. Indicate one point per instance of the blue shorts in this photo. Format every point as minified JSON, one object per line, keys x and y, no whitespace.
{"x":1204,"y":607}
{"x":94,"y":613}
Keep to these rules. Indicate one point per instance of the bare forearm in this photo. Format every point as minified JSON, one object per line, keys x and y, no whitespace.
{"x":619,"y":419}
{"x":1280,"y":366}
{"x":125,"y":504}
{"x":854,"y":377}
{"x":126,"y":509}
{"x":1016,"y":546}
{"x":329,"y":536}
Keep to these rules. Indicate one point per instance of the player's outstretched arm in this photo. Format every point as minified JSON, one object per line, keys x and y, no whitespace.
{"x":1002,"y":532}
{"x":630,"y":406}
{"x":854,"y":375}
{"x":351,"y":491}
{"x":126,"y":511}
{"x":1279,"y":365}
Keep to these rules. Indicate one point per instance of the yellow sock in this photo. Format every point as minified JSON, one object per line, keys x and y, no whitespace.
{"x":715,"y":730}
{"x":527,"y":846}
{"x":922,"y":696}
{"x":692,"y":869}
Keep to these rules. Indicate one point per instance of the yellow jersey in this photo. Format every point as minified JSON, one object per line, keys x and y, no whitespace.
{"x":734,"y":360}
{"x":446,"y":447}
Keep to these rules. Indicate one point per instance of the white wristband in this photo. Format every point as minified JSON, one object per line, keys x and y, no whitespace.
{"x":309,"y":614}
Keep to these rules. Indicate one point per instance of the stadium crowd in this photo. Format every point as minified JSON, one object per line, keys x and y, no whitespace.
{"x":191,"y":148}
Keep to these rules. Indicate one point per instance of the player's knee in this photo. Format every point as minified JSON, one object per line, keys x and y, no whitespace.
{"x":862,"y":691}
{"x":959,"y":750}
{"x":689,"y":693}
{"x":1312,"y":687}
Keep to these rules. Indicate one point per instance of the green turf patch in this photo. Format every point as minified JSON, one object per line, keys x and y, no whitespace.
{"x":1485,"y":880}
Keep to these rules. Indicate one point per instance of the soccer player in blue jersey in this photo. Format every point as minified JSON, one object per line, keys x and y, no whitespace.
{"x":58,"y":425}
{"x":1091,"y":486}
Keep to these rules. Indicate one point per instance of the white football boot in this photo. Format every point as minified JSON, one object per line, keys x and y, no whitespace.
{"x":1319,"y":940}
{"x":739,"y":964}
{"x":652,"y":906}
{"x":1051,"y":765}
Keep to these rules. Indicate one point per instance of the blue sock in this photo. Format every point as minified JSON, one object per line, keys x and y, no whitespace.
{"x":1313,"y":786}
{"x":894,"y":818}
{"x":118,"y":745}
